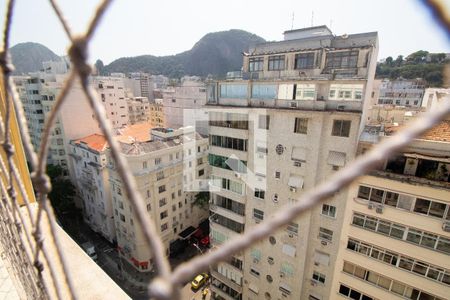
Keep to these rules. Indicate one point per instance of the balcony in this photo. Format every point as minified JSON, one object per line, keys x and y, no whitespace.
{"x":227,"y":213}
{"x":410,"y":179}
{"x":226,"y":281}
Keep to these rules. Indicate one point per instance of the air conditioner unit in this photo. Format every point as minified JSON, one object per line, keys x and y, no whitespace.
{"x":446,"y":226}
{"x":313,"y":283}
{"x":316,"y":264}
{"x":379,"y":209}
{"x":297,"y":164}
{"x":293,"y":104}
{"x":290,"y":235}
{"x":340,"y":107}
{"x":370,"y":206}
{"x":292,"y":189}
{"x":324,"y":243}
{"x":282,"y":274}
{"x":257,"y":221}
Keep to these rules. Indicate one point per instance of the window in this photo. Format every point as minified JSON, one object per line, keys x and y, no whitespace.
{"x":158,"y":161}
{"x":325,"y":234}
{"x":301,"y":125}
{"x":263,"y":121}
{"x":259,"y":193}
{"x":163,"y":215}
{"x":321,"y":258}
{"x":255,"y":64}
{"x":341,"y":128}
{"x":161,"y":189}
{"x":352,"y":294}
{"x":277,"y":174}
{"x":292,"y":228}
{"x":164,"y":226}
{"x":276,"y":62}
{"x":201,"y":172}
{"x":329,"y":210}
{"x":149,"y":207}
{"x":162,"y":202}
{"x":227,"y":163}
{"x":144,"y":165}
{"x":304,"y":61}
{"x":431,"y":208}
{"x":160,"y":175}
{"x":254,"y":272}
{"x":319,"y":277}
{"x":122,"y":218}
{"x":342,"y":59}
{"x":227,"y":142}
{"x":236,"y":91}
{"x":258,"y":214}
{"x":264,"y":91}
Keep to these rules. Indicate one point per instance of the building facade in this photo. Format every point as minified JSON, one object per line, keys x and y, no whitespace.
{"x":402,"y":92}
{"x":166,"y":169}
{"x":292,"y":120}
{"x":395,"y":241}
{"x":182,"y":102}
{"x":112,"y":95}
{"x":157,"y":116}
{"x":138,"y":110}
{"x":92,"y":181}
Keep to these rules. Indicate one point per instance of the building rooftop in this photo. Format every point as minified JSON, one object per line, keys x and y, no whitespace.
{"x":138,"y":148}
{"x":440,"y":132}
{"x":135,"y":133}
{"x":95,"y":142}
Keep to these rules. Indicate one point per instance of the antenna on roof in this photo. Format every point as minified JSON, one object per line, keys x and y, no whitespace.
{"x":331,"y":23}
{"x":292,"y":21}
{"x":312,"y":18}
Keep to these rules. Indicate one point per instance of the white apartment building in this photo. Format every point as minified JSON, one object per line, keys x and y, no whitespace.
{"x":395,"y":237}
{"x":38,"y":93}
{"x":402,"y":92}
{"x":182,"y":102}
{"x":293,"y":119}
{"x":165,"y":169}
{"x":138,"y":110}
{"x":112,"y":94}
{"x":92,"y":181}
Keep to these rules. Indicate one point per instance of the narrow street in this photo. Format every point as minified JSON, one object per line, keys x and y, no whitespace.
{"x":134,"y":283}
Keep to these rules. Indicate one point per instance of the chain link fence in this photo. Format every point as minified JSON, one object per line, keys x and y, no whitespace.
{"x":24,"y":246}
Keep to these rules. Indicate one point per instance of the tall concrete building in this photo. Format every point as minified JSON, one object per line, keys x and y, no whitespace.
{"x":157,"y":116}
{"x":166,"y":169}
{"x":92,"y":181}
{"x":402,"y":92}
{"x":395,"y":237}
{"x":291,"y":121}
{"x":112,"y":95}
{"x":182,"y":102}
{"x":38,"y":93}
{"x":138,"y":110}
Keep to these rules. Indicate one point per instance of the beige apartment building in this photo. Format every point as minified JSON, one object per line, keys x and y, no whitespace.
{"x":157,"y":117}
{"x":138,"y":110}
{"x":290,"y":121}
{"x":395,"y":238}
{"x":166,"y":169}
{"x":92,"y":181}
{"x":112,"y":95}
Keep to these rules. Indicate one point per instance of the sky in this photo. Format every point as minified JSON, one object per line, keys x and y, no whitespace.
{"x":166,"y":27}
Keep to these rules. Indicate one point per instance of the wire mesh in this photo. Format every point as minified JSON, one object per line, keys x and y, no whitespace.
{"x":25,"y":249}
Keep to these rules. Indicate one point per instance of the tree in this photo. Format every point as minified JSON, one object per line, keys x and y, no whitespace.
{"x":202,"y":199}
{"x":389,"y":61}
{"x":417,"y":57}
{"x":437,"y":57}
{"x":399,"y":60}
{"x":62,"y":193}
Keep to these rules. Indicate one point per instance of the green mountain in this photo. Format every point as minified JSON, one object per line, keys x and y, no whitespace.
{"x":28,"y":57}
{"x":216,"y":53}
{"x":420,"y":64}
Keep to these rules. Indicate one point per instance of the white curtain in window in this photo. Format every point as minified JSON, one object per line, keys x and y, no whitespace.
{"x":336,"y":158}
{"x":286,"y":91}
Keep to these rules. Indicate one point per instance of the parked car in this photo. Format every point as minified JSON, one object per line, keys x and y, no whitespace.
{"x":89,"y":248}
{"x":199,"y":281}
{"x":205,"y":241}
